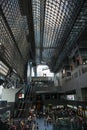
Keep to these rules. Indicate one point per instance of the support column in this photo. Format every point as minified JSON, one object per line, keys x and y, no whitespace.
{"x":35,"y":71}
{"x":30,"y":70}
{"x":78,"y":94}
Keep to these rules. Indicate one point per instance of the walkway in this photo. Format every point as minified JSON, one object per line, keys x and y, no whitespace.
{"x":49,"y":126}
{"x":42,"y":126}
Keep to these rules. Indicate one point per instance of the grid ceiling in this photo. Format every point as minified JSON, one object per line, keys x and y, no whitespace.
{"x":58,"y":17}
{"x":8,"y":50}
{"x":17,"y":23}
{"x":13,"y":32}
{"x":79,"y":26}
{"x":57,"y":26}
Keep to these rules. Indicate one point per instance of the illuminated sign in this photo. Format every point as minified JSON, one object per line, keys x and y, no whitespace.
{"x":21,"y":95}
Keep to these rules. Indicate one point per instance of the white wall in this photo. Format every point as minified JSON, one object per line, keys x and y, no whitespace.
{"x":9,"y":94}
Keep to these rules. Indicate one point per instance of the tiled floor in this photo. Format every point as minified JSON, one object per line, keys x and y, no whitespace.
{"x":49,"y":126}
{"x":42,"y":126}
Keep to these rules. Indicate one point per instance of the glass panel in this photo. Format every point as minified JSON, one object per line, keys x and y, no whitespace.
{"x":17,"y":23}
{"x":58,"y":21}
{"x":3,"y":68}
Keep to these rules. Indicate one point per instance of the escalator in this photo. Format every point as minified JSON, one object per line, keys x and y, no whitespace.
{"x":22,"y":105}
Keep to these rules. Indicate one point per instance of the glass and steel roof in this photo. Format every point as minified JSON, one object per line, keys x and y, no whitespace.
{"x":13,"y":31}
{"x":56,"y":25}
{"x":53,"y":25}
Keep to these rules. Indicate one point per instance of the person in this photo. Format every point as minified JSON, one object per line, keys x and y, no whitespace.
{"x":72,"y":122}
{"x":45,"y":121}
{"x":37,"y":127}
{"x":22,"y":124}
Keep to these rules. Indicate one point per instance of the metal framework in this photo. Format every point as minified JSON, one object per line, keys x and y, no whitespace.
{"x":13,"y":31}
{"x":45,"y":29}
{"x":53,"y":25}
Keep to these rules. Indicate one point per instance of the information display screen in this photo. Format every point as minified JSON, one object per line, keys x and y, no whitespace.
{"x":70,"y":97}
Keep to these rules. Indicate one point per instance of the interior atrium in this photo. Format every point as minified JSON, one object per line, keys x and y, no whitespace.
{"x":43,"y":64}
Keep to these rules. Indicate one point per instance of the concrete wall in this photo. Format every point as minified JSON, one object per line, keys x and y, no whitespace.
{"x":9,"y":94}
{"x":76,"y":83}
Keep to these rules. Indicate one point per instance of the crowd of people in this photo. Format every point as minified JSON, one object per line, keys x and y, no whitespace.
{"x":54,"y":117}
{"x":70,"y":118}
{"x":19,"y":124}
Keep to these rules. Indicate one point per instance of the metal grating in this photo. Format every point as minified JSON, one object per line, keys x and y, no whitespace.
{"x":58,"y":18}
{"x":78,"y":28}
{"x":8,"y":50}
{"x":57,"y":26}
{"x":13,"y":32}
{"x":36,"y":19}
{"x":17,"y":23}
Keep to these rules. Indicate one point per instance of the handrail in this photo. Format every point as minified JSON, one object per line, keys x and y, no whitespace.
{"x":27,"y":91}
